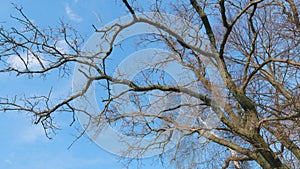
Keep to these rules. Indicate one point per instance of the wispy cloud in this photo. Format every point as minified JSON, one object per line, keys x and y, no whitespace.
{"x":8,"y":161}
{"x":72,"y":16}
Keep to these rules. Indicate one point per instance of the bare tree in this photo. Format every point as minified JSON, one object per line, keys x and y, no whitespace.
{"x":252,"y":46}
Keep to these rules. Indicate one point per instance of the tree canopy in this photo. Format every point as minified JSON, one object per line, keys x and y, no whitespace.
{"x":210,"y":83}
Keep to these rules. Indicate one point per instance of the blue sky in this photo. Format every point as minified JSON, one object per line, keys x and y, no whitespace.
{"x":24,"y":145}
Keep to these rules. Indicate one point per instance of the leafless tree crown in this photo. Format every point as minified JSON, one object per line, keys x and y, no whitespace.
{"x":252,"y":45}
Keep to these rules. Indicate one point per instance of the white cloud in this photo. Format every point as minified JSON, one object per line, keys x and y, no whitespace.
{"x":32,"y":134}
{"x":62,"y":46}
{"x":72,"y":16}
{"x":19,"y":62}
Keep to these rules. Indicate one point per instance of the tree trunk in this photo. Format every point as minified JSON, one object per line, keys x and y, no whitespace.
{"x":264,"y":156}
